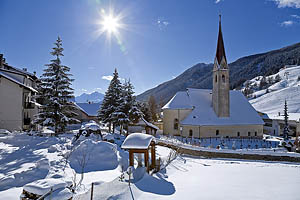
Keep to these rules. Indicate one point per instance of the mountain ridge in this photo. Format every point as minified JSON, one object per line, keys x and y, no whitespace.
{"x":244,"y":68}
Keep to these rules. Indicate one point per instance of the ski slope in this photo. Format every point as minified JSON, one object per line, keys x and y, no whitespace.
{"x":287,"y":89}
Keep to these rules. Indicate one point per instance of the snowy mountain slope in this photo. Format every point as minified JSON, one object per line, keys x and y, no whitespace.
{"x":271,"y":99}
{"x":95,"y":97}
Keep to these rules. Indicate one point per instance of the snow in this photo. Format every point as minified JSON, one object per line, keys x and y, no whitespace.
{"x":97,"y":156}
{"x":39,"y":163}
{"x":92,"y":126}
{"x":43,"y":186}
{"x":196,"y":178}
{"x":180,"y":101}
{"x":288,"y":88}
{"x":137,"y":141}
{"x":241,"y":112}
{"x":4,"y":131}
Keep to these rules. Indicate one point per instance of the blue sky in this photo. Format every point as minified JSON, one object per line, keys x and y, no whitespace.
{"x":158,"y":40}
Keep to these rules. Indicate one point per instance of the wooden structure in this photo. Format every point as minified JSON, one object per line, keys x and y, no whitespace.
{"x":142,"y":125}
{"x":140,"y":143}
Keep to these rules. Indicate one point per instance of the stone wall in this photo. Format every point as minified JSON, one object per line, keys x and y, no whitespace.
{"x":207,"y":154}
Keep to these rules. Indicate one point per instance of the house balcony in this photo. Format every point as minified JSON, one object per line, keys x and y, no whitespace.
{"x":29,"y":105}
{"x":27,"y":121}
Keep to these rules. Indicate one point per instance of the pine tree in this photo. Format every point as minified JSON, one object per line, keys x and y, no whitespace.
{"x":55,"y":93}
{"x":153,"y":107}
{"x":111,"y":102}
{"x":144,"y":108}
{"x":286,"y":125}
{"x":277,"y":78}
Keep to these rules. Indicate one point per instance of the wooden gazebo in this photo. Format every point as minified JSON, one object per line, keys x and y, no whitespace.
{"x":140,"y":143}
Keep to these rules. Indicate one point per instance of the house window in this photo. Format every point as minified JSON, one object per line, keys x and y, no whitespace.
{"x":191,"y":133}
{"x":238,"y":134}
{"x":255,"y":133}
{"x":176,"y":124}
{"x":216,"y":78}
{"x":223,"y":78}
{"x":249,"y":134}
{"x":217,"y":132}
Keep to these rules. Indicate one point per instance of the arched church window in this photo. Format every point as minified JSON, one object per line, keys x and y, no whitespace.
{"x":223,"y":78}
{"x":217,"y":132}
{"x":191,"y":133}
{"x":216,"y":78}
{"x":176,"y":124}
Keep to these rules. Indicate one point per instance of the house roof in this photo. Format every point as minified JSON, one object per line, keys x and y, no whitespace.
{"x":5,"y":75}
{"x":137,"y":141}
{"x":241,"y":111}
{"x":143,"y":122}
{"x":90,"y":109}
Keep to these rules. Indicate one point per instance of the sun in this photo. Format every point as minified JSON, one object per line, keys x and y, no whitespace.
{"x":110,"y":23}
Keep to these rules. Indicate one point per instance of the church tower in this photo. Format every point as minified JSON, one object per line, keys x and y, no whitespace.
{"x":220,"y":92}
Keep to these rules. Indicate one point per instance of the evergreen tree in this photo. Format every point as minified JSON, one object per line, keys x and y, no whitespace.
{"x":277,"y":78}
{"x":153,"y":107}
{"x":144,"y":108}
{"x":286,"y":125}
{"x":111,"y":102}
{"x":55,"y":93}
{"x":263,"y":83}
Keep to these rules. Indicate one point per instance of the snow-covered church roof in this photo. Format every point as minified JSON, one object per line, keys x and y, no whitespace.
{"x":202,"y":114}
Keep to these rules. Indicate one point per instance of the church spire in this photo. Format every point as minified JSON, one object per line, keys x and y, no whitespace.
{"x":220,"y":46}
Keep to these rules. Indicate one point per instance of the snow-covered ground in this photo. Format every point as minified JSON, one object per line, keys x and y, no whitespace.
{"x":25,"y":159}
{"x":196,"y":178}
{"x":288,"y":88}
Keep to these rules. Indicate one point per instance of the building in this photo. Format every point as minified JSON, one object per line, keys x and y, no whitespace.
{"x":17,"y":88}
{"x":274,"y":124}
{"x":143,"y":126}
{"x":212,"y":113}
{"x":87,"y":111}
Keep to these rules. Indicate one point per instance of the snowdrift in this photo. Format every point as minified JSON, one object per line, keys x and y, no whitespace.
{"x":94,"y":156}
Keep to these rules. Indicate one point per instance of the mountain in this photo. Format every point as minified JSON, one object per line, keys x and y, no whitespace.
{"x":245,"y":68}
{"x":95,"y":97}
{"x":270,"y":99}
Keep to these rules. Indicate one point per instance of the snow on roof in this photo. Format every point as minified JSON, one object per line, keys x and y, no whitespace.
{"x":43,"y":186}
{"x":89,"y":108}
{"x":5,"y":75}
{"x":137,"y":141}
{"x":291,"y":116}
{"x":180,"y":101}
{"x":241,"y":111}
{"x":143,"y":122}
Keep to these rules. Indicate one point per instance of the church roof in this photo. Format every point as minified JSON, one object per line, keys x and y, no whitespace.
{"x":179,"y":101}
{"x":220,"y":46}
{"x":241,"y":111}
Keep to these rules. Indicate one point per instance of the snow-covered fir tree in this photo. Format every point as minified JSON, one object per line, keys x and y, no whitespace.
{"x":55,"y":93}
{"x":119,"y":106}
{"x":111,"y":101}
{"x":286,"y":124}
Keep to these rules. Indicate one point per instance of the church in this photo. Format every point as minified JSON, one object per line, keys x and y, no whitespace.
{"x":219,"y":112}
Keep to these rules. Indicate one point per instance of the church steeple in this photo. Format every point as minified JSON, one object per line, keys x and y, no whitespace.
{"x":220,"y":54}
{"x":220,"y":94}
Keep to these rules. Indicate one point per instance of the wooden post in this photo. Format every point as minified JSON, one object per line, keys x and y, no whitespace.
{"x":131,"y":159}
{"x":92,"y":191}
{"x":147,"y":160}
{"x":153,"y":159}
